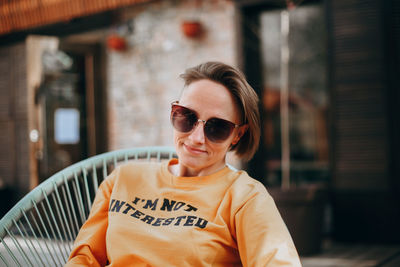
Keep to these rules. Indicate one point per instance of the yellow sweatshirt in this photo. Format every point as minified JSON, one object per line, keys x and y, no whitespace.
{"x":145,"y":216}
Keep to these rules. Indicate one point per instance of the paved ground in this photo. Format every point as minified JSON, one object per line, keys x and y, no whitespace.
{"x":354,"y":255}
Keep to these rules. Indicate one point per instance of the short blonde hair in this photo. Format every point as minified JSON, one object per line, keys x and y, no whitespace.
{"x":245,"y":96}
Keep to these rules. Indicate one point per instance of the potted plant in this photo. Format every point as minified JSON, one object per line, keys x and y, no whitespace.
{"x":192,"y":28}
{"x":116,"y":42}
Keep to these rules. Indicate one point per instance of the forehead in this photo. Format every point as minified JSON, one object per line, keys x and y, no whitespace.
{"x":210,"y":99}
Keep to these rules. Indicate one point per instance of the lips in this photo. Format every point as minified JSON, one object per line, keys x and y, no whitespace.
{"x":194,"y":150}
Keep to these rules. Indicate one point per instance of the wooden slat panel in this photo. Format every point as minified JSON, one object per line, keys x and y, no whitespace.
{"x":7,"y":152}
{"x":394,"y":54}
{"x":360,"y":111}
{"x":7,"y":129}
{"x":14,"y":141}
{"x":364,"y":193}
{"x":4,"y":85}
{"x":18,"y":74}
{"x":22,"y":161}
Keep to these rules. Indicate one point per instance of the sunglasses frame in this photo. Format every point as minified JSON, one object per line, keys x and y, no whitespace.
{"x":176,"y":103}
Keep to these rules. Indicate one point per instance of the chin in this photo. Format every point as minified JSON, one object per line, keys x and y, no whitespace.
{"x":190,"y":161}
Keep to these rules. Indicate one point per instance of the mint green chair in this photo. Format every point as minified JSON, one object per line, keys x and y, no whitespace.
{"x":40,"y":229}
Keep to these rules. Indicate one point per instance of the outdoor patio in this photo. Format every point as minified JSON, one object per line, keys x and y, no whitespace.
{"x":333,"y":254}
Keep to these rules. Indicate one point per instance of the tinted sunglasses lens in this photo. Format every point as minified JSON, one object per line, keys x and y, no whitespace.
{"x":218,"y":130}
{"x":183,"y":119}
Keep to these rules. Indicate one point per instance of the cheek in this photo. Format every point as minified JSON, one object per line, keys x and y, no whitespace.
{"x":178,"y":136}
{"x":223,"y":148}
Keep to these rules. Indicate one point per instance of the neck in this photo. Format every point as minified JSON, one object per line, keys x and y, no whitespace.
{"x":184,"y":171}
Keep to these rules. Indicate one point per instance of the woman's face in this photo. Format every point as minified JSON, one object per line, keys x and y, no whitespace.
{"x":199,"y":156}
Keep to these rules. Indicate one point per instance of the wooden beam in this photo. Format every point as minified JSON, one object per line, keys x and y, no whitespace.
{"x":18,"y":15}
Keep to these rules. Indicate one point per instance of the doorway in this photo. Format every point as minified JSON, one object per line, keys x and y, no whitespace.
{"x":70,"y":108}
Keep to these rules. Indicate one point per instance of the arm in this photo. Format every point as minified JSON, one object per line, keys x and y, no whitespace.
{"x":262,"y":236}
{"x":89,"y":247}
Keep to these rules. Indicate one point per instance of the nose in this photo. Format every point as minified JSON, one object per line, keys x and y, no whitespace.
{"x":197,"y":135}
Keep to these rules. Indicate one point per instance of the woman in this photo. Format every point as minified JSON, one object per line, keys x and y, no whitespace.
{"x":194,"y":210}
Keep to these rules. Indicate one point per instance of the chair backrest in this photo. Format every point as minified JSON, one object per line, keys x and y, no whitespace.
{"x":40,"y":229}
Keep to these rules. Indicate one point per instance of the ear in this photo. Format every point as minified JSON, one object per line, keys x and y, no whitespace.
{"x":241,"y":131}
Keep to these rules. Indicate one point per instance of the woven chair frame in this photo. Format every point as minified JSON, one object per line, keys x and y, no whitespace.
{"x":41,"y":228}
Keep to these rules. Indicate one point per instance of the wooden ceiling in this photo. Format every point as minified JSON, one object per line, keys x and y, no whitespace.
{"x":19,"y":15}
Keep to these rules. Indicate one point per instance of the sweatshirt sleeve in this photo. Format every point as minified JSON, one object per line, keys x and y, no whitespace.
{"x":90,"y":245}
{"x":262,"y":236}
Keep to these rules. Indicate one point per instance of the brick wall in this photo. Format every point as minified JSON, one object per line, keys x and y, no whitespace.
{"x":143,"y":80}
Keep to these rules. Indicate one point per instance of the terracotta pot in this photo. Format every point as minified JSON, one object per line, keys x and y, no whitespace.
{"x":116,"y":42}
{"x":192,"y":29}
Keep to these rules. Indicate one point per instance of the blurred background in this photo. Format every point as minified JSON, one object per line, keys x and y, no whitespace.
{"x":82,"y":77}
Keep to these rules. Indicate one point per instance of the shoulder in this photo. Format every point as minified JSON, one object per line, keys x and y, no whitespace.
{"x":248,"y":185}
{"x":246,"y":189}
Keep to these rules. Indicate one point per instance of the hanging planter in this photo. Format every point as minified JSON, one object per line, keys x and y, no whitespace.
{"x":192,"y":28}
{"x":116,"y":42}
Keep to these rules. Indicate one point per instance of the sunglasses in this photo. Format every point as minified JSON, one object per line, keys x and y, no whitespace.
{"x":215,"y":129}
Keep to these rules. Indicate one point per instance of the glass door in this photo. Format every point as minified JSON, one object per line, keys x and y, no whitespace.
{"x":295,"y":95}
